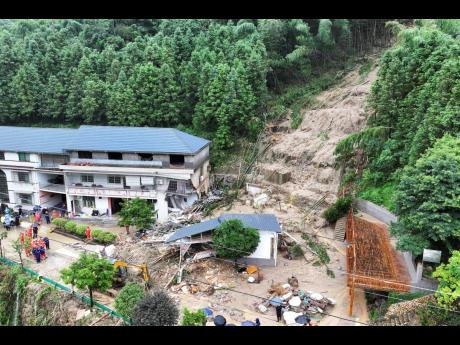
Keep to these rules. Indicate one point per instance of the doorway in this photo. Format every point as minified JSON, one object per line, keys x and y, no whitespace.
{"x":115,"y":204}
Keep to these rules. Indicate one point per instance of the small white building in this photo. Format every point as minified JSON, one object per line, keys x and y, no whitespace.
{"x":267,"y":225}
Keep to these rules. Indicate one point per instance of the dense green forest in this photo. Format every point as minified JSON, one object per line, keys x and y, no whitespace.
{"x":209,"y":77}
{"x":412,"y":145}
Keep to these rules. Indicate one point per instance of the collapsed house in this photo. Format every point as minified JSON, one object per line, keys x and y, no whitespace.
{"x":267,"y":225}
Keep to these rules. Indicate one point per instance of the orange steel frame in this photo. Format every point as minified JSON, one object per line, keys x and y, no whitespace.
{"x":371,"y":262}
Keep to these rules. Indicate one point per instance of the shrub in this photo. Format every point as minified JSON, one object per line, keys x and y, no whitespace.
{"x":80,"y":230}
{"x":96,"y":232}
{"x":190,"y":318}
{"x":157,"y":309}
{"x":296,"y":251}
{"x":106,"y":237}
{"x":338,"y":210}
{"x":331,"y":214}
{"x":60,"y":222}
{"x":127,"y":299}
{"x":70,"y":226}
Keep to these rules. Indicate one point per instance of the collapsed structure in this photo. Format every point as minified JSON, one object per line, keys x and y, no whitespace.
{"x":96,"y":167}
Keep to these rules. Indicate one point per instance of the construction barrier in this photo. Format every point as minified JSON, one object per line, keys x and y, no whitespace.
{"x":82,"y":297}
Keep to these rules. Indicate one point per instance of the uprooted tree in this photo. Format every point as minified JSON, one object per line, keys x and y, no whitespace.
{"x":156,"y":309}
{"x":89,"y":272}
{"x":137,"y":212}
{"x":233,"y":240}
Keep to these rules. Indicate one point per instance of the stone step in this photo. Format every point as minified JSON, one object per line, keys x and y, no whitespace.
{"x":339,"y":231}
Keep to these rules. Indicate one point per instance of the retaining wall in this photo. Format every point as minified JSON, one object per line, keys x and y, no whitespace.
{"x":375,"y":211}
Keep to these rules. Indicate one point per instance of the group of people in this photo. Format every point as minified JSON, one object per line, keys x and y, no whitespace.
{"x":34,"y":245}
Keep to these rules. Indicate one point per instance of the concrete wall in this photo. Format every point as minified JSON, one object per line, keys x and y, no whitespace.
{"x":376,"y":211}
{"x":263,"y":250}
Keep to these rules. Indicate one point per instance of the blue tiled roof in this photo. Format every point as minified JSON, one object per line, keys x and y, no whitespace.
{"x":99,"y":138}
{"x":34,"y":139}
{"x":261,"y":222}
{"x":135,"y":139}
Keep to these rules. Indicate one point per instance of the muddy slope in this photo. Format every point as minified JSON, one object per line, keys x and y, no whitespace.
{"x":308,"y":151}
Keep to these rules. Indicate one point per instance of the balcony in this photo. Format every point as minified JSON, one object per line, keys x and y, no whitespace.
{"x":53,"y":188}
{"x":115,"y":163}
{"x":112,"y":192}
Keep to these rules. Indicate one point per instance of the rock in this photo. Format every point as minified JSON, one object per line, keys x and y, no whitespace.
{"x":286,"y":286}
{"x":80,"y":314}
{"x":184,"y":289}
{"x":331,"y":300}
{"x":251,"y":280}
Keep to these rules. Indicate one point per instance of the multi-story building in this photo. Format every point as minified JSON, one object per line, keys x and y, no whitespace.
{"x":97,"y":167}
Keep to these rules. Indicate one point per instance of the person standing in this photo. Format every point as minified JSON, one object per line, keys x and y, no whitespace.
{"x":47,"y":217}
{"x":47,"y":242}
{"x":279,"y":308}
{"x":21,"y":235}
{"x":35,"y":230}
{"x":88,"y":233}
{"x":38,"y":217}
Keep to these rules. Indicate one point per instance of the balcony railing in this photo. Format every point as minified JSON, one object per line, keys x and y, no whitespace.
{"x":53,"y":188}
{"x":111,"y":192}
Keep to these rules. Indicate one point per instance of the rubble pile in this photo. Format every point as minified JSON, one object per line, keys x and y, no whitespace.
{"x":295,"y":301}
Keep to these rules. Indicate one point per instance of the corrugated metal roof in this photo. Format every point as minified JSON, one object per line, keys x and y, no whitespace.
{"x":99,"y":138}
{"x":34,"y":139}
{"x":135,"y":139}
{"x":261,"y":222}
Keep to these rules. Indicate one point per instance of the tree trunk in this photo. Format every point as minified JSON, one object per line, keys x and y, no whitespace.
{"x":90,"y":299}
{"x":20,"y":259}
{"x":127,"y":229}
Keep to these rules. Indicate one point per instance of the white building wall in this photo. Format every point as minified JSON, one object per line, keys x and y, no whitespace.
{"x":102,"y":204}
{"x":263,"y":250}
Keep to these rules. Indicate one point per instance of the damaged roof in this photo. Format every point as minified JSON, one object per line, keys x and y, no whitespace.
{"x":261,"y":222}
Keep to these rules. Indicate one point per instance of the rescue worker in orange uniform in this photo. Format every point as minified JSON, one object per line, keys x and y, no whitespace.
{"x":88,"y":232}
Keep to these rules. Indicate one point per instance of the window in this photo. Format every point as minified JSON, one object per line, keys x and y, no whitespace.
{"x":85,"y":155}
{"x":25,"y":199}
{"x":114,"y":179}
{"x":176,"y":159}
{"x":23,"y":157}
{"x":87,"y":178}
{"x":2,"y":156}
{"x":115,"y":156}
{"x":172,"y":187}
{"x":89,"y":201}
{"x":23,"y":177}
{"x":146,"y":157}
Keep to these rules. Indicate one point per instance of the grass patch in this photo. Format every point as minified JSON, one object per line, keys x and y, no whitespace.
{"x":380,"y":195}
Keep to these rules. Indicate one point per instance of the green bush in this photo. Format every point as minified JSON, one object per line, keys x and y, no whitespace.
{"x":128,"y":298}
{"x":338,"y":210}
{"x":104,"y":237}
{"x":296,"y":251}
{"x":80,"y":230}
{"x":96,"y":232}
{"x":331,"y":214}
{"x":60,"y":222}
{"x":190,"y":318}
{"x":70,"y":226}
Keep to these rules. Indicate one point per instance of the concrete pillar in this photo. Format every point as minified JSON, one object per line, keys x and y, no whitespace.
{"x":68,"y":202}
{"x":162,"y":208}
{"x":419,"y":274}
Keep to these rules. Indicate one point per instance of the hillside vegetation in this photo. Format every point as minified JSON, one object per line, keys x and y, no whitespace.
{"x":408,"y":156}
{"x":208,"y":77}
